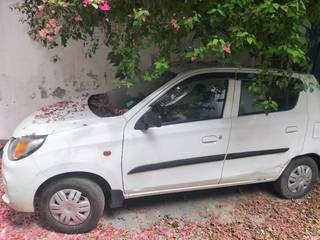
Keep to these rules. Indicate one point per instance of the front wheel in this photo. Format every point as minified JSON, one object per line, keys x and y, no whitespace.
{"x":298,"y":178}
{"x":71,"y":205}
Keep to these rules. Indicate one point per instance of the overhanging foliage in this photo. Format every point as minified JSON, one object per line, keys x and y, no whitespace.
{"x":273,"y":32}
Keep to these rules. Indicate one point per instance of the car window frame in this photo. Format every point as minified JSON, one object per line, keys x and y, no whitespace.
{"x":247,"y":78}
{"x":227,"y":76}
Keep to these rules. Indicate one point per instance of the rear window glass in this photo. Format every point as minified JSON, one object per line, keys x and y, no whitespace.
{"x":251,"y":104}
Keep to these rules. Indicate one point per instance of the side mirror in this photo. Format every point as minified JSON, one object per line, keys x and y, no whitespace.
{"x":148,"y":120}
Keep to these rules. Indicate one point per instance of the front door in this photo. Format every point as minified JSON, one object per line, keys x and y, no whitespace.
{"x":189,"y":149}
{"x":262,"y":144}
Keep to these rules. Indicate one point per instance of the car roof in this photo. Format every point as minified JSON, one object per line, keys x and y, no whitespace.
{"x":188,"y":69}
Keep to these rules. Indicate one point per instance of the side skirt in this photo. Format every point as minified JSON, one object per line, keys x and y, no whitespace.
{"x":187,"y":189}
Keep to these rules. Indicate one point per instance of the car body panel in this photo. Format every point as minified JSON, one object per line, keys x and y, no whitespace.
{"x":281,"y":132}
{"x":58,"y":117}
{"x":74,"y":150}
{"x":312,"y":137}
{"x":175,"y":144}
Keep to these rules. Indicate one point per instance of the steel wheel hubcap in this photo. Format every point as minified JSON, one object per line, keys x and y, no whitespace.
{"x":69,"y":207}
{"x":300,"y":179}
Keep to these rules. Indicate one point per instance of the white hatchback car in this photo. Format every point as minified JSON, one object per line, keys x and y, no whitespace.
{"x":194,"y":130}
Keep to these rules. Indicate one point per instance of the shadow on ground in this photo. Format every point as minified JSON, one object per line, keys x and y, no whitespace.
{"x":139,"y":213}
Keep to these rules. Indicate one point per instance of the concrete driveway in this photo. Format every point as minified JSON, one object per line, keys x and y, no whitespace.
{"x":197,"y":206}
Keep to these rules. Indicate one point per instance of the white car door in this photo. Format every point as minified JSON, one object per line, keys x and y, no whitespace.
{"x":189,"y":149}
{"x":261,"y":145}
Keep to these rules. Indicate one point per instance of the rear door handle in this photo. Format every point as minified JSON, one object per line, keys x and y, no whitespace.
{"x":291,"y":129}
{"x":210,"y":139}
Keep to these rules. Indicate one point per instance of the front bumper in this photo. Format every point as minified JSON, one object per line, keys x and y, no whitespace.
{"x":19,"y":182}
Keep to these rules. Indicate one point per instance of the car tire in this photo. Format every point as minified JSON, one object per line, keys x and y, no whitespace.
{"x":71,"y":205}
{"x":298,"y":178}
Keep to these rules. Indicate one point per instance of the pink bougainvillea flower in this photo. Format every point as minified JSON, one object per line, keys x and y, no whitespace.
{"x":53,"y":22}
{"x":40,"y":8}
{"x":51,"y":39}
{"x":56,"y":30}
{"x":78,"y":18}
{"x":105,"y":6}
{"x":86,"y":2}
{"x":226,"y":48}
{"x":42,"y":33}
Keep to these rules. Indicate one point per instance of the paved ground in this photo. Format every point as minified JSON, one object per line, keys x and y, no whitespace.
{"x":195,"y":206}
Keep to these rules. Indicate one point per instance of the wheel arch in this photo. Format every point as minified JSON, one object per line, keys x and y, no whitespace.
{"x":114,"y":198}
{"x":313,"y":156}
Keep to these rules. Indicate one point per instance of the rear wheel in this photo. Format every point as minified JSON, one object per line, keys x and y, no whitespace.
{"x":71,"y":205}
{"x":298,"y":178}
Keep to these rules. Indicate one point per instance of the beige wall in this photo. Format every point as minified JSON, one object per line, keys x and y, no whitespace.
{"x":29,"y":79}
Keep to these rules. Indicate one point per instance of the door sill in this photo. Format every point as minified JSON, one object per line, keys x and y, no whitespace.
{"x":187,"y":189}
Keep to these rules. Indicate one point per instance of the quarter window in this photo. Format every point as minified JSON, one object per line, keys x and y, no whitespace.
{"x":195,"y":99}
{"x":250,"y":104}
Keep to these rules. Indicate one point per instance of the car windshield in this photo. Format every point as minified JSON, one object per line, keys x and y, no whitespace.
{"x":120,"y":100}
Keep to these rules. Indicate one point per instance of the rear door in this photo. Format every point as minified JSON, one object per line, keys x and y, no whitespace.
{"x":261,"y":145}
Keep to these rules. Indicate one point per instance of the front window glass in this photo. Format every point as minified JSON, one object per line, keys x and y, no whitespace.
{"x":119,"y":101}
{"x":195,"y":99}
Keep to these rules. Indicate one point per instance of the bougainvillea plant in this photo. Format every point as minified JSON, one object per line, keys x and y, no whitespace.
{"x":274,"y":33}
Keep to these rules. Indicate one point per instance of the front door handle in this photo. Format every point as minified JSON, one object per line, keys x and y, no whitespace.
{"x":210,"y":139}
{"x":291,"y":129}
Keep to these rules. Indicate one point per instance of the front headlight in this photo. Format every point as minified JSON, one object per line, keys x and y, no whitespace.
{"x":23,"y":147}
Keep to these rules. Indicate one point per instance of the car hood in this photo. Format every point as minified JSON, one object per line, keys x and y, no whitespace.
{"x":61,"y":116}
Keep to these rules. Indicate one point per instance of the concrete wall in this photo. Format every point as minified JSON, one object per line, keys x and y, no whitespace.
{"x":29,"y":79}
